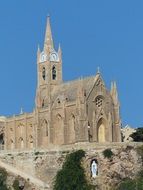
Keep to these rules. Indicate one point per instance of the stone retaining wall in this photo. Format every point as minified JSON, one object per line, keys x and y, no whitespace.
{"x":44,"y":163}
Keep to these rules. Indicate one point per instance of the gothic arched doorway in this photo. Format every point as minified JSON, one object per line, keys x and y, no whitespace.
{"x":101,"y":127}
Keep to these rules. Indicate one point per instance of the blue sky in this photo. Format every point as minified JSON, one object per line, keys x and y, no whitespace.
{"x":92,"y":33}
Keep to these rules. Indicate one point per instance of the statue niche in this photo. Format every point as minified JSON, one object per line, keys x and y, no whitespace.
{"x":94,"y":169}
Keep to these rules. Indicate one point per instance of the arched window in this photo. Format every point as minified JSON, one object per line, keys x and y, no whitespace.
{"x":20,"y":129}
{"x":45,"y":128}
{"x":43,"y":103}
{"x":44,"y":73}
{"x":31,"y":141}
{"x":89,"y":132}
{"x":11,"y":144}
{"x":99,"y":101}
{"x":21,"y":143}
{"x":54,"y":73}
{"x":71,"y":125}
{"x":2,"y":139}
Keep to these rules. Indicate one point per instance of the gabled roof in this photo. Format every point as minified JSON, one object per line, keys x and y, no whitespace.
{"x":69,"y":90}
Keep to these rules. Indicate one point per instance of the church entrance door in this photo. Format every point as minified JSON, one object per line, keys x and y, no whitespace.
{"x":101,"y":132}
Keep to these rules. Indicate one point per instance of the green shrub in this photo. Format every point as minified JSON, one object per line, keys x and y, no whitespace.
{"x":37,"y":153}
{"x":127,"y":184}
{"x":138,"y":135}
{"x":16,"y":184}
{"x":108,"y":153}
{"x":139,"y":183}
{"x":72,"y":175}
{"x":3,"y":178}
{"x":140,"y":174}
{"x":140,"y":151}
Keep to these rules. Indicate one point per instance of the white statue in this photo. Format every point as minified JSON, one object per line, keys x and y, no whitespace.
{"x":94,"y":169}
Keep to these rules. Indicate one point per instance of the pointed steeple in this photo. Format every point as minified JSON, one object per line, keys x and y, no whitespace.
{"x":48,"y":44}
{"x":60,"y":52}
{"x":38,"y":54}
{"x":38,"y":50}
{"x":112,"y":89}
{"x":21,"y":111}
{"x":98,"y":70}
{"x":114,"y":93}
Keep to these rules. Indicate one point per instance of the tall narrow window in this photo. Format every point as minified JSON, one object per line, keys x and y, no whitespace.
{"x":44,"y":73}
{"x":54,"y":73}
{"x":43,"y":103}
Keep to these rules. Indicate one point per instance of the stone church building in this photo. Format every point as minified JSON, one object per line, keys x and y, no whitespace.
{"x":82,"y":110}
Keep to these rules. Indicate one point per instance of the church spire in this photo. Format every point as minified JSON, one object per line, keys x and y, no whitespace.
{"x":48,"y":44}
{"x":98,"y":70}
{"x":114,"y":93}
{"x":38,"y":50}
{"x":112,"y":89}
{"x":60,"y":52}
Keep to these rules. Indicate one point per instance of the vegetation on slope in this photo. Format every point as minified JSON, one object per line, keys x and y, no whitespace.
{"x":138,"y":135}
{"x":108,"y":153}
{"x":72,"y":175}
{"x":16,"y":184}
{"x":3,"y":177}
{"x":137,"y":182}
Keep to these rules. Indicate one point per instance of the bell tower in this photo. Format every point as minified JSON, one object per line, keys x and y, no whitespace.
{"x":49,"y":69}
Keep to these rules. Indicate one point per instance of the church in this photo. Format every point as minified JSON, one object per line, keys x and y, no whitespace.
{"x":83,"y":110}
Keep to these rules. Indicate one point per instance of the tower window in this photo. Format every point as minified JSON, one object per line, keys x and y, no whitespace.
{"x":54,"y":73}
{"x":44,"y":73}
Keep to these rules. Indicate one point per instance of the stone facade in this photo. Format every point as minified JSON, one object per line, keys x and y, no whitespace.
{"x":83,"y":110}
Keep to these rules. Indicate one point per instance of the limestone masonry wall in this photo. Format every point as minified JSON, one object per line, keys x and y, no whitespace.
{"x":44,"y":164}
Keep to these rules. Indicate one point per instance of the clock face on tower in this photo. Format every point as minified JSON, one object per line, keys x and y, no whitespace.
{"x":54,"y":57}
{"x":43,"y":57}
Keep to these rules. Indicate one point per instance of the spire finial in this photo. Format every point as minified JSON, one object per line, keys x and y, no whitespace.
{"x":21,"y":111}
{"x":48,"y":36}
{"x":98,"y":70}
{"x":114,"y":93}
{"x":59,"y":48}
{"x":60,"y":52}
{"x":38,"y":50}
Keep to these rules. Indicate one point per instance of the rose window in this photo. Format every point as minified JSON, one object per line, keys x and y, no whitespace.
{"x":99,"y":102}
